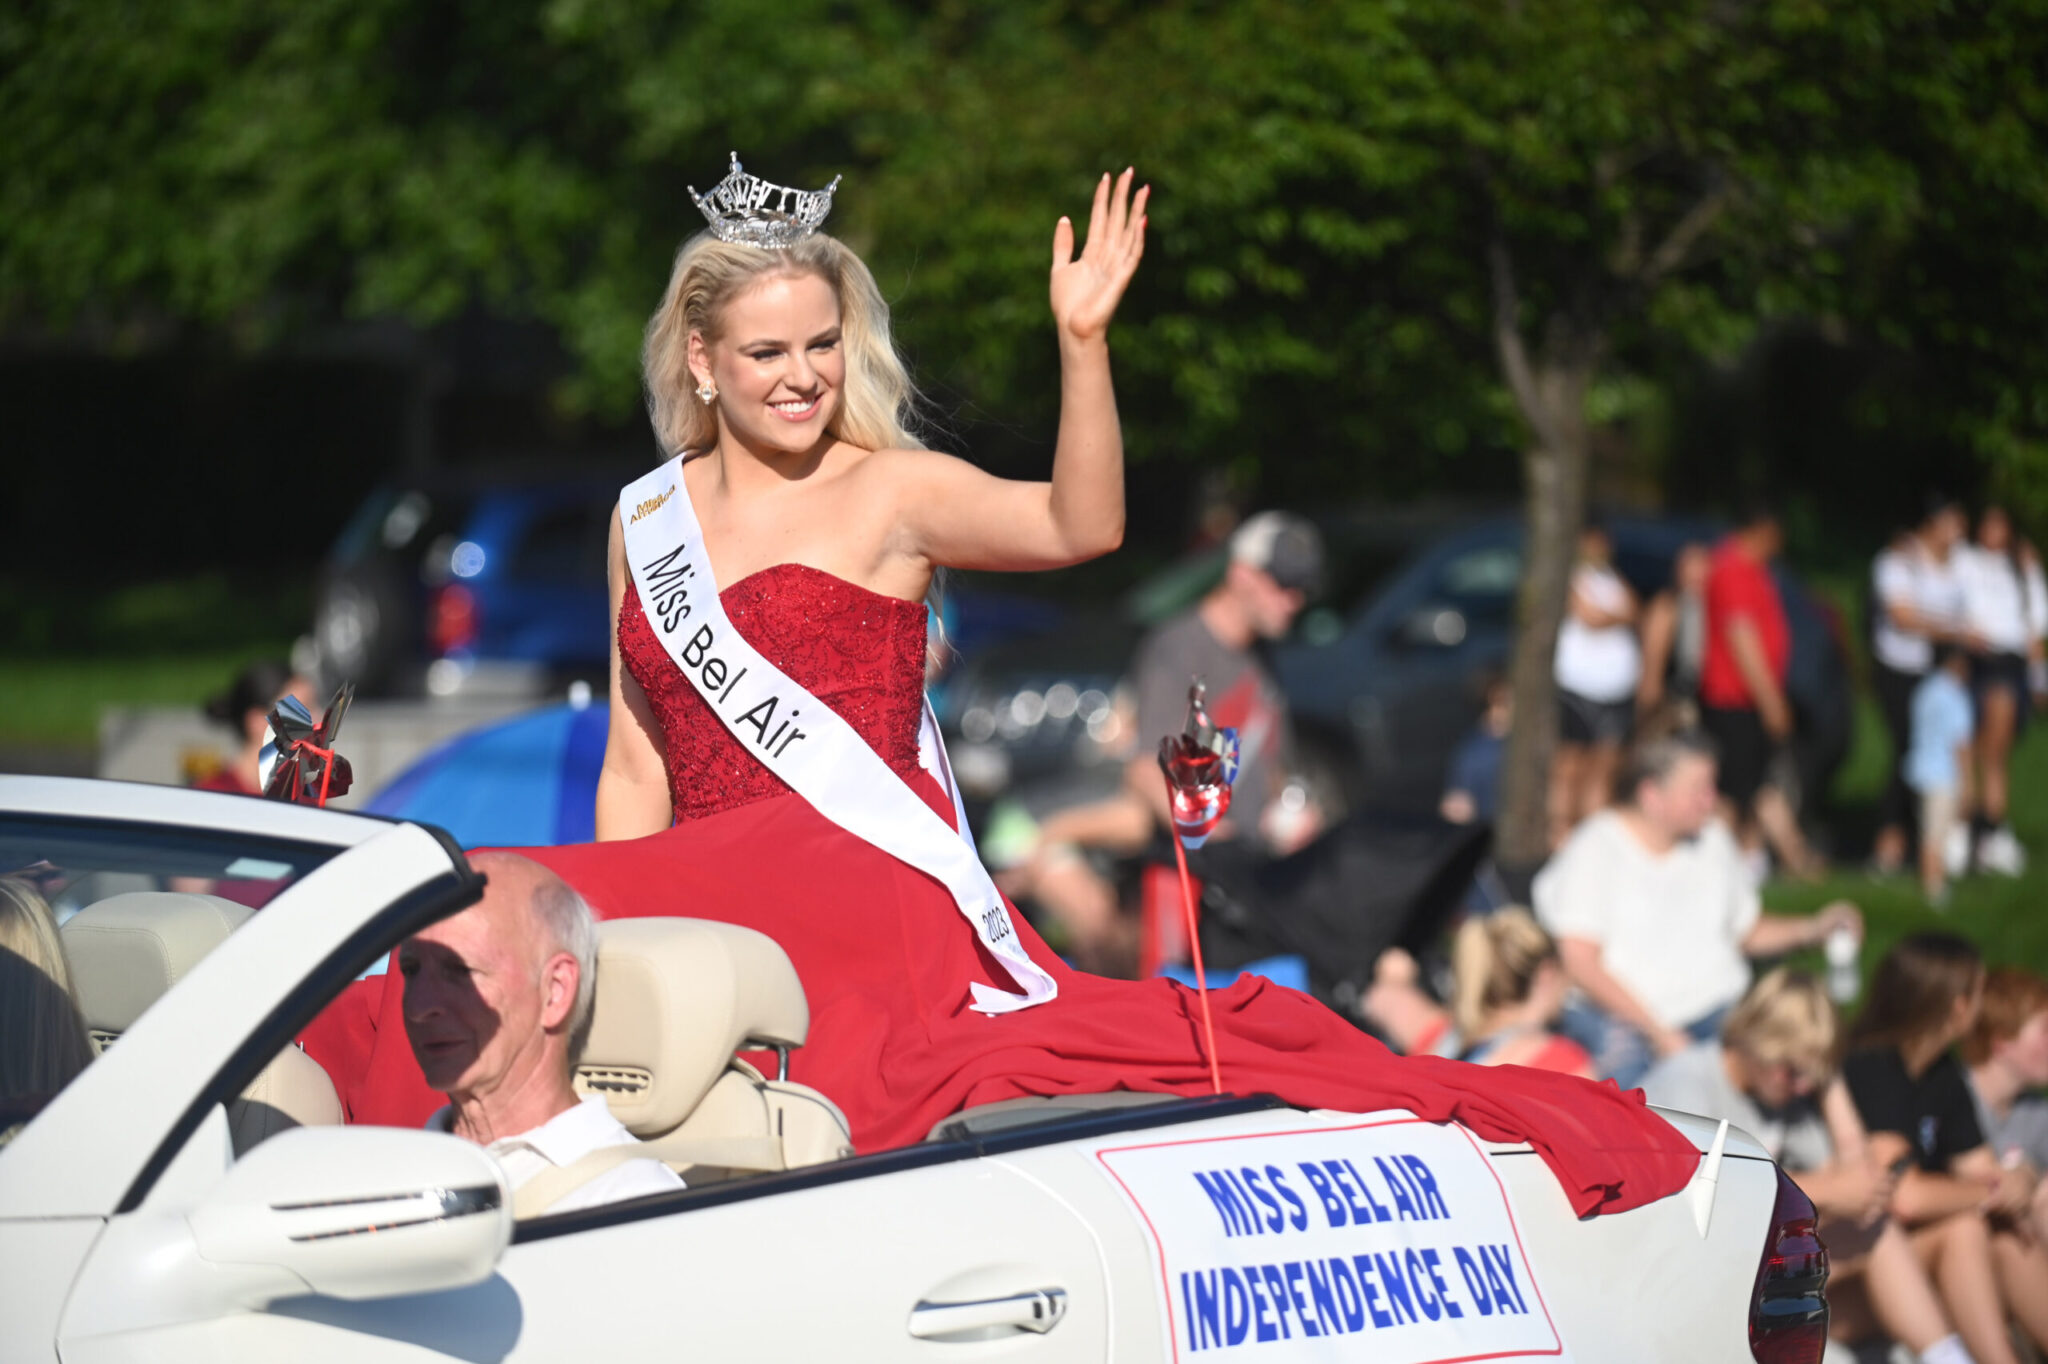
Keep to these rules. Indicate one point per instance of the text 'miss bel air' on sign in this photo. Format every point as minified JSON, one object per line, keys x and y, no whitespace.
{"x":1390,"y":1241}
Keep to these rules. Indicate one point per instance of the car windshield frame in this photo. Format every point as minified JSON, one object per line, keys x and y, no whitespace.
{"x":154,"y":849}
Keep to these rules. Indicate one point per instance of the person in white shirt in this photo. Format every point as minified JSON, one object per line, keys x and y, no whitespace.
{"x":1655,"y":915}
{"x":498,"y":1001}
{"x":1597,"y":666}
{"x":2005,"y":606}
{"x":1917,"y":603}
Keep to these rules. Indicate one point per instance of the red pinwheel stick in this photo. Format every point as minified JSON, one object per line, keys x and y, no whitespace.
{"x":1187,"y":904}
{"x":326,"y":767}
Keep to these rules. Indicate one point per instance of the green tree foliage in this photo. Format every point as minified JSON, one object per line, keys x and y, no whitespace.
{"x":1333,"y":181}
{"x":1387,"y":238}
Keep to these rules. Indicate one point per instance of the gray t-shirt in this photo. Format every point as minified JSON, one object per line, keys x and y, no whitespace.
{"x":1242,"y":694}
{"x":1696,"y":1081}
{"x":2025,"y":1129}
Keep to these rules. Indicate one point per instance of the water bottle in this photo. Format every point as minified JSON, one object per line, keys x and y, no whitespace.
{"x":1844,"y":981}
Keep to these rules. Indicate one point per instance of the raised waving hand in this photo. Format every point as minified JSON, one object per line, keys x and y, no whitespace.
{"x":1087,"y":288}
{"x":955,"y":514}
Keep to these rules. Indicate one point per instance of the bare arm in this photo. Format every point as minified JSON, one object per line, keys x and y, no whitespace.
{"x":1845,"y":1125}
{"x":955,"y":514}
{"x":632,"y":786}
{"x":1913,"y":620}
{"x":1853,"y":1184}
{"x":1922,"y":1196}
{"x":1143,"y":779}
{"x":1859,"y":1190}
{"x":1747,"y":647}
{"x":1121,"y":823}
{"x":1773,"y":935}
{"x":1660,"y":633}
{"x":2009,"y":1189}
{"x":1583,"y":963}
{"x":1598,"y":617}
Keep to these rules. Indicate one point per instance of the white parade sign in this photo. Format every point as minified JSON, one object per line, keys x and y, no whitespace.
{"x":1388,"y":1240}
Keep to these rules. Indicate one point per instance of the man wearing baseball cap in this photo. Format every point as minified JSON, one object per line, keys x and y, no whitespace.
{"x":1275,"y":566}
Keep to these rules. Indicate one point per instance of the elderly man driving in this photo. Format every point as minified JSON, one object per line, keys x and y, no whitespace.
{"x":497,"y":1006}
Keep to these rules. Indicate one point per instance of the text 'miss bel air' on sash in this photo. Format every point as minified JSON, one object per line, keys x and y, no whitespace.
{"x":801,"y":739}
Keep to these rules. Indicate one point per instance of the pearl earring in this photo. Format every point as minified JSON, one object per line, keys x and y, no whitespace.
{"x":707,"y":392}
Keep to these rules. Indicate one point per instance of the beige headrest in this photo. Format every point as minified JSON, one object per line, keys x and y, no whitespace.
{"x":675,"y":999}
{"x":126,"y":950}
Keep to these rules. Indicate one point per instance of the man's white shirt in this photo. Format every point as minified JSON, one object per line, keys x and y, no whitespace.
{"x":565,"y":1139}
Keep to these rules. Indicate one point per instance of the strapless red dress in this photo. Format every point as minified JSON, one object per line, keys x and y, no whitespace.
{"x":885,"y":957}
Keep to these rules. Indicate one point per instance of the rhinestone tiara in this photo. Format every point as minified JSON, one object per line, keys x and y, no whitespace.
{"x":746,"y":209}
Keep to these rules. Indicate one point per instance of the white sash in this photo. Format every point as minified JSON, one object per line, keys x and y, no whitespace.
{"x":801,"y":739}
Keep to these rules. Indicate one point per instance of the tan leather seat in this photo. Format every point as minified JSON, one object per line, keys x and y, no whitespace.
{"x":676,"y":999}
{"x":125,"y":951}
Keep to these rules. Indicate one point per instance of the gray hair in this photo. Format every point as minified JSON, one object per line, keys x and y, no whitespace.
{"x":572,"y":928}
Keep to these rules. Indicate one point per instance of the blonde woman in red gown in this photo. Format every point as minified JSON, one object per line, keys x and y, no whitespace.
{"x":772,"y":372}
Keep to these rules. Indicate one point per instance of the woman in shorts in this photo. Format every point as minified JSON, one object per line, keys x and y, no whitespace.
{"x":2005,"y":611}
{"x":1599,"y":662}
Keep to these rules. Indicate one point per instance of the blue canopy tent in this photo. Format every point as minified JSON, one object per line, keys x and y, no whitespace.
{"x":523,"y":782}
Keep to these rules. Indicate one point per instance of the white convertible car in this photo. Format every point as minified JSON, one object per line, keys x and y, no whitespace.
{"x":192,"y":1194}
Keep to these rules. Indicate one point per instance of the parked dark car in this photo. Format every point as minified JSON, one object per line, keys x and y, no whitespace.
{"x":1384,"y":677}
{"x":1392,"y":686}
{"x":462,"y":581}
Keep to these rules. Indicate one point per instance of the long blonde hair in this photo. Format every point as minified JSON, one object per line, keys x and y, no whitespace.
{"x":1495,"y":960}
{"x":878,"y":401}
{"x":43,"y":1043}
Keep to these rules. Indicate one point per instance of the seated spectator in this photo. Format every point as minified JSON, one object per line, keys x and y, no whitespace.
{"x":1273,"y":879}
{"x":1275,"y":564}
{"x":1509,"y":989}
{"x":2007,"y":1055}
{"x":1914,"y":1099}
{"x":43,"y":1043}
{"x":1763,"y":1074}
{"x":1654,"y":914}
{"x":498,"y":1001}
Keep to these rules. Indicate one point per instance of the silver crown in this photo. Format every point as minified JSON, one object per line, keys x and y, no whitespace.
{"x":746,"y":209}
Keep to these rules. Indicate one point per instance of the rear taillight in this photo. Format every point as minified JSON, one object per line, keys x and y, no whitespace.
{"x":1788,"y":1315}
{"x":452,"y":619}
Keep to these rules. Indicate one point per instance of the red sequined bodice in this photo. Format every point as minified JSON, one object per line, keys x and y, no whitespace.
{"x":858,"y":651}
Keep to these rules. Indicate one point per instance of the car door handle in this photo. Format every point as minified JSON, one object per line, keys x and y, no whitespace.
{"x":1037,"y":1311}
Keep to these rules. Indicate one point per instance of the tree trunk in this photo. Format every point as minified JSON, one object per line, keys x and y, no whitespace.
{"x":1554,"y":500}
{"x":1550,"y":389}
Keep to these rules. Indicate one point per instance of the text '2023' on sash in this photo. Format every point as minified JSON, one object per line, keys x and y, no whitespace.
{"x":798,"y":737}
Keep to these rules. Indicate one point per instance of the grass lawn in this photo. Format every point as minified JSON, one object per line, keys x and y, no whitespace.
{"x":56,"y":702}
{"x":2007,"y":917}
{"x":68,"y":650}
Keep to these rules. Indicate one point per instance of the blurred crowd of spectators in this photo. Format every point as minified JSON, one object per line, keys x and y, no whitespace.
{"x":1637,"y":958}
{"x":1636,"y":962}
